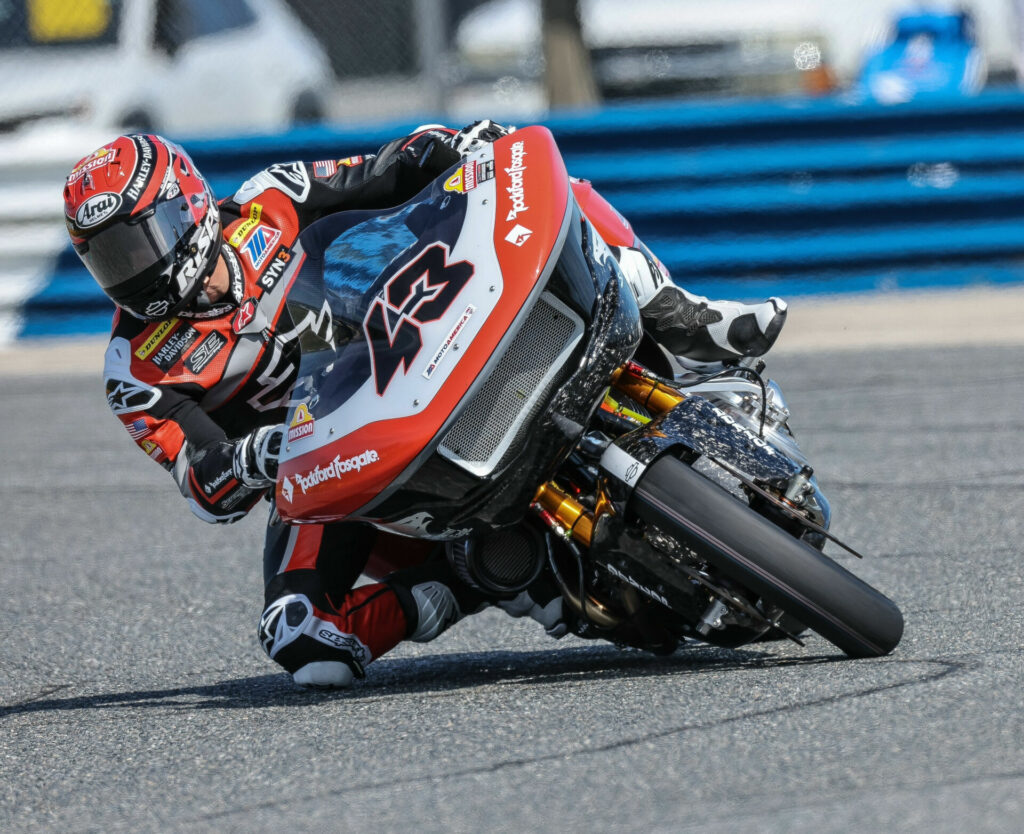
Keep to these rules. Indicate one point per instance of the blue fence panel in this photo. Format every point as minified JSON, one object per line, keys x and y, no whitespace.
{"x":741,"y":199}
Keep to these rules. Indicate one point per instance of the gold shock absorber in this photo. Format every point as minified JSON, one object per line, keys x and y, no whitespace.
{"x":650,"y":393}
{"x":569,"y":512}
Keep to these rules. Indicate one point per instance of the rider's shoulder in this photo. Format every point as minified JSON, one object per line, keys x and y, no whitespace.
{"x":288,"y":179}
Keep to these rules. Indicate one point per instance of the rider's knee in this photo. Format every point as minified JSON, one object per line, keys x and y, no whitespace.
{"x":313,"y":650}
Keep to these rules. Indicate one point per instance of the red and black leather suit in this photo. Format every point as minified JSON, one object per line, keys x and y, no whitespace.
{"x":189,"y":389}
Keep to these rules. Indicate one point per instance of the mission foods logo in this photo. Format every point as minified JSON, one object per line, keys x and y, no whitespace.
{"x":301,"y":425}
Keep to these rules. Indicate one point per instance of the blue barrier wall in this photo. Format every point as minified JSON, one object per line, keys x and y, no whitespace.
{"x":739,"y":199}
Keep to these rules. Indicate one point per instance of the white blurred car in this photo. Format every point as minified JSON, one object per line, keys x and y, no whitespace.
{"x":179,"y":66}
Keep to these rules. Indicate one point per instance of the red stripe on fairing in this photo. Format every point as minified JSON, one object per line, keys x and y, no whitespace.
{"x":398,"y":441}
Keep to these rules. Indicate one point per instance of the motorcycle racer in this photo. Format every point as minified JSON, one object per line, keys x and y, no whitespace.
{"x":203,"y":355}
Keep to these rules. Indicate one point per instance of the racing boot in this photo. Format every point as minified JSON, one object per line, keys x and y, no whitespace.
{"x":691,"y":326}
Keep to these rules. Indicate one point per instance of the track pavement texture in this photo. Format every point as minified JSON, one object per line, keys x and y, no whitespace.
{"x":133,"y":696}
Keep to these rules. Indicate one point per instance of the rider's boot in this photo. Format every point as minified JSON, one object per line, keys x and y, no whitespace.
{"x":692,"y":326}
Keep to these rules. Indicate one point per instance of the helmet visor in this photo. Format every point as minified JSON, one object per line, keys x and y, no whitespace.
{"x":116,"y":255}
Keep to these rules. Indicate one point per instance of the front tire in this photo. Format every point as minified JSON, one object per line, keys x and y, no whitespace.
{"x":750,"y":550}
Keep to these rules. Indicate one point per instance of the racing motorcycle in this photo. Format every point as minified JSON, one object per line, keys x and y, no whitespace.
{"x":474,"y":373}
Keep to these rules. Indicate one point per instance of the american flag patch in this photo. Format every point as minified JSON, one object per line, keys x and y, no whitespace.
{"x":138,"y":428}
{"x":325,"y":168}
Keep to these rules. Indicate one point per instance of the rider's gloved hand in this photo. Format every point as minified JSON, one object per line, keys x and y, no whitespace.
{"x":475,"y":136}
{"x":256,"y":456}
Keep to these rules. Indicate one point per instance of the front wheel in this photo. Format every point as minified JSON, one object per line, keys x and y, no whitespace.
{"x":750,"y":550}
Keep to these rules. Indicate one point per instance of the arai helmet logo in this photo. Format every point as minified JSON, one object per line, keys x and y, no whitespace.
{"x":97,"y":209}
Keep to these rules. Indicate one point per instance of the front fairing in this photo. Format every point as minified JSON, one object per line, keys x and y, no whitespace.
{"x":400,"y":313}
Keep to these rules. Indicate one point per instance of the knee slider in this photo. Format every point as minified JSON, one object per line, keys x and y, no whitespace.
{"x":283,"y":622}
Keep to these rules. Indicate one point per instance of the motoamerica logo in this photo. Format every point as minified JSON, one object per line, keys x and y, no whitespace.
{"x":515,"y":174}
{"x":335,"y":469}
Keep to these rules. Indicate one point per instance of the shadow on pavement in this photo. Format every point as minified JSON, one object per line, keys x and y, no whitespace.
{"x":430,"y":674}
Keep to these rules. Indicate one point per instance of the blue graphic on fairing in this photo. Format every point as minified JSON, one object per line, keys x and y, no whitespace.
{"x":355,"y":258}
{"x":350,"y":257}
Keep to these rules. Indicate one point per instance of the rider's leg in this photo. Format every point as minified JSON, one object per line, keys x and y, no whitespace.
{"x":324,"y":631}
{"x":315,"y":624}
{"x":691,"y":325}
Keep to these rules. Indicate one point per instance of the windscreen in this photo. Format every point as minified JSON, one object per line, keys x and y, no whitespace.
{"x":367,"y":283}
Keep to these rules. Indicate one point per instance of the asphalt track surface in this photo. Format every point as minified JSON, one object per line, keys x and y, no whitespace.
{"x":133,"y":696}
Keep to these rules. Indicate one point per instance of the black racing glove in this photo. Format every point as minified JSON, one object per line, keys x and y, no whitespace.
{"x":256,"y":456}
{"x":473,"y":137}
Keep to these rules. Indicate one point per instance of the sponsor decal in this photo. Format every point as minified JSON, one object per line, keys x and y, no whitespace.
{"x":760,"y":442}
{"x":155,"y":309}
{"x":287,"y":489}
{"x":260,"y":244}
{"x":204,"y":352}
{"x":289,"y":177}
{"x":631,"y":581}
{"x":97,"y":209}
{"x":204,"y":242}
{"x":275,"y":269}
{"x":124,"y":397}
{"x":233,"y":497}
{"x":346,"y":642}
{"x":301,"y":424}
{"x":97,"y":159}
{"x":518,"y":235}
{"x":156,"y":338}
{"x":246,"y":226}
{"x":325,"y":168}
{"x":449,"y":340}
{"x":138,"y":428}
{"x":151,"y":449}
{"x":335,"y":469}
{"x":212,"y":485}
{"x":172,"y":350}
{"x":515,"y":174}
{"x":349,"y":161}
{"x":246,"y":313}
{"x":169,"y":188}
{"x":463,"y":180}
{"x":420,"y":292}
{"x":145,"y":166}
{"x":485,"y":171}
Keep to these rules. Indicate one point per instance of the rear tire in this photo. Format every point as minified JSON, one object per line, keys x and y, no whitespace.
{"x":750,"y":550}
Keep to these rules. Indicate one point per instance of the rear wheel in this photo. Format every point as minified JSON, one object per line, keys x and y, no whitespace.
{"x":747,"y":548}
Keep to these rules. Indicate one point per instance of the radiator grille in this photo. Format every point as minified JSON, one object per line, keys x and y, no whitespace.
{"x":490,"y":423}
